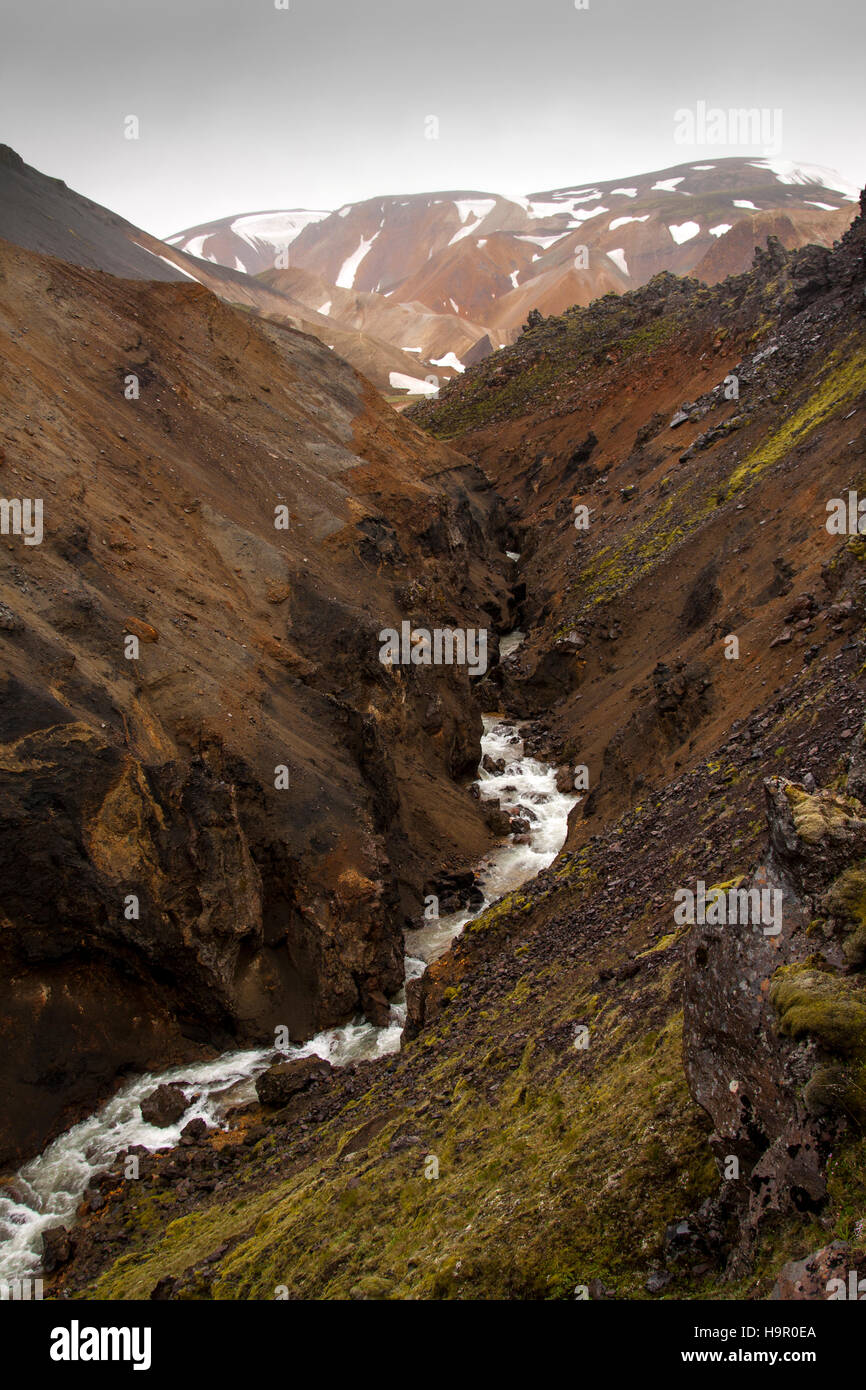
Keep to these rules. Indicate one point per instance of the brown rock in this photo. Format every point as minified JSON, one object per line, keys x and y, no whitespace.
{"x":279,"y":1083}
{"x":164,"y":1106}
{"x":56,"y":1248}
{"x":498,"y":820}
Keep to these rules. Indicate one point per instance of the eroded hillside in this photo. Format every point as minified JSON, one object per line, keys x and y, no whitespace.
{"x":194,"y":714}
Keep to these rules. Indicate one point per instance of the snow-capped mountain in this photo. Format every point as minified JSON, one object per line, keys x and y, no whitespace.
{"x":250,"y":243}
{"x":464,"y":268}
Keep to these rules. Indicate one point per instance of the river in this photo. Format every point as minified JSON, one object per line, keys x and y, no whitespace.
{"x":48,"y":1190}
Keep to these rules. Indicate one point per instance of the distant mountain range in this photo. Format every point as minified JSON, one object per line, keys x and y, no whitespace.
{"x":445,"y":276}
{"x":411,"y":289}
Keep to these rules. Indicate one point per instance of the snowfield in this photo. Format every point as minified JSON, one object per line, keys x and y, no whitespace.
{"x":787,"y":171}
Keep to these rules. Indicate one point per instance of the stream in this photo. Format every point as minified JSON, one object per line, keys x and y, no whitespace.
{"x":48,"y":1190}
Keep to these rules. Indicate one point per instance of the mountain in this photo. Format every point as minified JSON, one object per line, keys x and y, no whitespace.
{"x":596,"y":1097}
{"x":42,"y":214}
{"x":479,"y":262}
{"x":250,"y":243}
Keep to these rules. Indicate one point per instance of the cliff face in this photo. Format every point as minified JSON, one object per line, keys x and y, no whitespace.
{"x":217,"y":806}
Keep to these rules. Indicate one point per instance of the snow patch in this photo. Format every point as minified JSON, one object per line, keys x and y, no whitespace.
{"x":787,"y":171}
{"x":449,"y":360}
{"x":618,"y":258}
{"x":721,"y":229}
{"x":411,"y":384}
{"x":474,"y":207}
{"x":543,"y":241}
{"x":684,"y":231}
{"x":744,"y":203}
{"x":621,"y":221}
{"x":195,"y":246}
{"x":276,"y":228}
{"x":584,"y":214}
{"x":166,"y":261}
{"x":349,"y":268}
{"x":539,"y":210}
{"x":627,"y":192}
{"x":324,"y":308}
{"x":668,"y":185}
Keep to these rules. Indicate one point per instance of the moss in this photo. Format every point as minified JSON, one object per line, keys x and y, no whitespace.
{"x":818,"y":817}
{"x":613,"y":570}
{"x":844,"y":380}
{"x":846,"y":898}
{"x":820,"y":1004}
{"x":832,"y":1010}
{"x":493,"y":916}
{"x":568,"y":1170}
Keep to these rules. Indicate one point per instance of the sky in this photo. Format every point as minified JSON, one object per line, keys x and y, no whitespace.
{"x":244,"y":107}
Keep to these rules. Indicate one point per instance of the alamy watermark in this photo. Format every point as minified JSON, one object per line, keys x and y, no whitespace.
{"x":846,"y":516}
{"x":734,"y":907}
{"x":22,"y":516}
{"x":747,"y":126}
{"x":20,"y":1290}
{"x":444,"y":646}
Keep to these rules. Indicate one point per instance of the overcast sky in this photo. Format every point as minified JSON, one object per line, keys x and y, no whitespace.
{"x":243,"y":107}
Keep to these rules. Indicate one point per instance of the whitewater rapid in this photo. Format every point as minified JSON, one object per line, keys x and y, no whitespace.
{"x":48,"y":1190}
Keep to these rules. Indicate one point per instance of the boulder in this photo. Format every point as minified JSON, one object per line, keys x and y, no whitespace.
{"x":493,"y":765}
{"x":498,"y":820}
{"x":279,"y":1083}
{"x":377,"y":1010}
{"x":56,"y":1248}
{"x":193,"y":1131}
{"x":164,"y":1106}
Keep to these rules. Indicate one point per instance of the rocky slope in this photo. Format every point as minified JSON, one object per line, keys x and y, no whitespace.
{"x":617,"y":1102}
{"x":218,"y":808}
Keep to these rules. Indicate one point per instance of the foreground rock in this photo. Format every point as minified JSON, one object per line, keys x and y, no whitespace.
{"x":284,"y":1080}
{"x":56,"y":1248}
{"x":775,"y":1021}
{"x":164,"y":1106}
